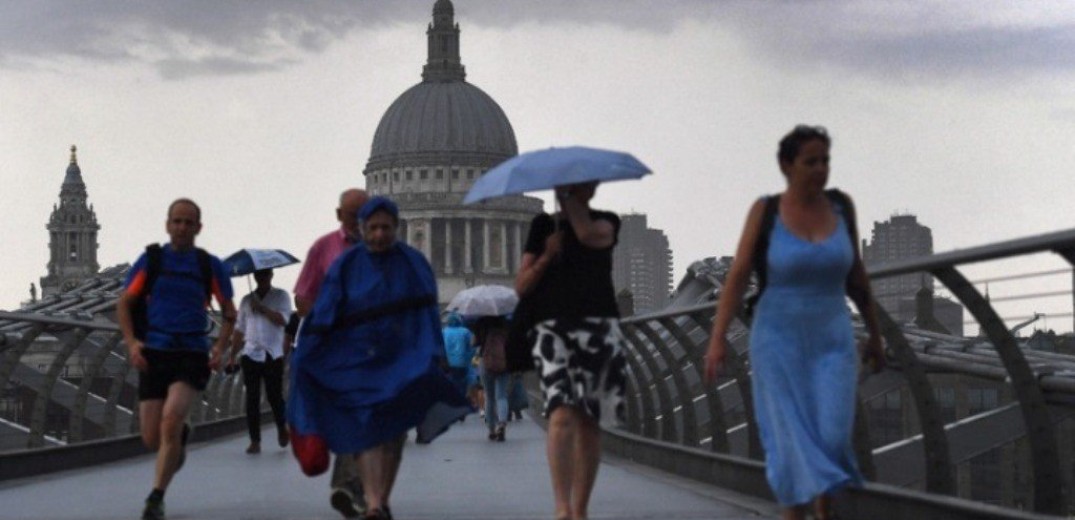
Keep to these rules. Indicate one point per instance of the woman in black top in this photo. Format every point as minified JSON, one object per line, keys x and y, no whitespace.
{"x":566,"y":274}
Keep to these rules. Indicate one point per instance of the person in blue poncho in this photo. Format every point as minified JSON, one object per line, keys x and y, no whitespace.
{"x":459,"y":349}
{"x":367,"y":364}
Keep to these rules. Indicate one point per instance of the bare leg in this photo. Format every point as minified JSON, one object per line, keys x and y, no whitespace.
{"x":822,"y":507}
{"x":559,"y":450}
{"x":393,"y":458}
{"x":794,"y":513}
{"x":149,"y":420}
{"x":372,"y":472}
{"x":587,"y":458}
{"x":173,"y":415}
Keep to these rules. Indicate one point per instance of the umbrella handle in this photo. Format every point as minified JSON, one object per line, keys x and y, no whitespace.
{"x":555,"y":216}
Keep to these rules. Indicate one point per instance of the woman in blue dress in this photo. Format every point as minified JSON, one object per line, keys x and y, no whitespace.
{"x":802,"y":351}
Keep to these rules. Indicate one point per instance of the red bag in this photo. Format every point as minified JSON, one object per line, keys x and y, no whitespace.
{"x":311,"y":452}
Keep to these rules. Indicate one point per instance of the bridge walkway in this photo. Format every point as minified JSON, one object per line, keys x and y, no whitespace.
{"x":460,"y":476}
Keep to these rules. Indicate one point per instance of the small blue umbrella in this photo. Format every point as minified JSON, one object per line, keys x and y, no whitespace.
{"x":246,"y":261}
{"x":552,"y":167}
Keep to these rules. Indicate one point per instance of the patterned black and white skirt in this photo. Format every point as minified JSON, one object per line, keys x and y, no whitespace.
{"x":582,"y":364}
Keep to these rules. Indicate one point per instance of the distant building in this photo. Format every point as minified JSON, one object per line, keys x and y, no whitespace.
{"x":72,"y":235}
{"x":433,"y":142}
{"x":642,"y":264}
{"x":899,"y":238}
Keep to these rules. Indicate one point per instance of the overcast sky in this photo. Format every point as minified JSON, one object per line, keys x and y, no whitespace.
{"x":961,"y":112}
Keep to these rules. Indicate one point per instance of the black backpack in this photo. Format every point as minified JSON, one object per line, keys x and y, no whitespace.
{"x":154,"y":258}
{"x":761,"y":248}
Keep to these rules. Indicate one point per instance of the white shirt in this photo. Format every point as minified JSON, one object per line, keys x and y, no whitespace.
{"x":261,"y":336}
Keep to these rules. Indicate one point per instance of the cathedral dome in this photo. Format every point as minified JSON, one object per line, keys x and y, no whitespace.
{"x":443,"y":116}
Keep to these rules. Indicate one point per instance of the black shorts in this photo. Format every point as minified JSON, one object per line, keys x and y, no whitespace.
{"x":166,"y":367}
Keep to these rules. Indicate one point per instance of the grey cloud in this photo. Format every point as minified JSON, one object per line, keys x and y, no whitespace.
{"x":248,"y":34}
{"x":182,"y":69}
{"x":198,"y":37}
{"x":970,"y":52}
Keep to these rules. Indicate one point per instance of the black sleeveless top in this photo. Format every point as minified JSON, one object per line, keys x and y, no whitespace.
{"x":579,"y":283}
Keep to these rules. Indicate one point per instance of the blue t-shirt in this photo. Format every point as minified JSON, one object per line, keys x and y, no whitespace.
{"x":176,"y":308}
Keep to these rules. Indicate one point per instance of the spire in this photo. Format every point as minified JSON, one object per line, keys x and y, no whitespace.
{"x":444,"y":63}
{"x":74,"y":173}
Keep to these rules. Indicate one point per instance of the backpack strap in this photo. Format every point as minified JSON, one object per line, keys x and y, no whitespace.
{"x":154,"y":259}
{"x":761,"y":248}
{"x":847,"y":210}
{"x":843,"y":203}
{"x":205,"y":265}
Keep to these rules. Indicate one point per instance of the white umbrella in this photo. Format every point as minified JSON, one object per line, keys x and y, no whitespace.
{"x":484,"y":300}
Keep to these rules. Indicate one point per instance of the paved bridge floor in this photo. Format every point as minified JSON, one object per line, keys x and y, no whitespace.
{"x":460,"y":476}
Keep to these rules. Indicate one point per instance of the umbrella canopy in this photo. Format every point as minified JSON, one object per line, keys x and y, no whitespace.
{"x":552,"y":167}
{"x":484,"y":300}
{"x":246,"y":261}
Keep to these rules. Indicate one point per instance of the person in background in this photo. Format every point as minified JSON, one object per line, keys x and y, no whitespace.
{"x":517,"y":399}
{"x":566,"y":272}
{"x":459,"y":350}
{"x":368,"y":363}
{"x":802,"y":352}
{"x":346,"y":495}
{"x":168,"y":342}
{"x":491,"y":333}
{"x":259,"y":334}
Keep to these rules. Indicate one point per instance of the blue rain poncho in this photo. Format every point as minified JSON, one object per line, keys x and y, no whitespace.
{"x":366,"y":366}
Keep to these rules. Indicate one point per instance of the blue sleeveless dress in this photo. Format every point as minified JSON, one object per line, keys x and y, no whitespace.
{"x":802,"y":352}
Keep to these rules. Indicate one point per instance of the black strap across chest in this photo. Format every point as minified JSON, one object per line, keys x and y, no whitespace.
{"x":759,"y":262}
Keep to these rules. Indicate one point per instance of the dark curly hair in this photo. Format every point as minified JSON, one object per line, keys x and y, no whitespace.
{"x":797,"y":137}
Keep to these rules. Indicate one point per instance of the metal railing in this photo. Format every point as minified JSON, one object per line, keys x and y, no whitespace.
{"x":668,"y":404}
{"x":66,"y":380}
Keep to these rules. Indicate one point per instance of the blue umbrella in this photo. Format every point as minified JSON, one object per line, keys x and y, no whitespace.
{"x":552,"y":167}
{"x":246,"y":261}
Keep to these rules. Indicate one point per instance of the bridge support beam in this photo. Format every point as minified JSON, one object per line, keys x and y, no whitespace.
{"x":44,"y":393}
{"x":668,"y":430}
{"x":674,"y":369}
{"x":93,"y":369}
{"x":1048,"y":479}
{"x":648,"y":424}
{"x":736,"y":367}
{"x":939,"y":474}
{"x":718,"y":428}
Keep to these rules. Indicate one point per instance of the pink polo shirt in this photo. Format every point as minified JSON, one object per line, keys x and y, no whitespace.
{"x":318,"y":260}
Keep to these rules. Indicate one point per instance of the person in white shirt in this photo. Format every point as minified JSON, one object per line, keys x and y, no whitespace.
{"x":259,"y":331}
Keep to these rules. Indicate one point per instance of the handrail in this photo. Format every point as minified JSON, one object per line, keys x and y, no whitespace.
{"x":1021,"y":246}
{"x":1034,"y":382}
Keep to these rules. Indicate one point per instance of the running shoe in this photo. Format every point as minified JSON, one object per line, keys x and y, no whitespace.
{"x":344,"y":502}
{"x":154,"y":510}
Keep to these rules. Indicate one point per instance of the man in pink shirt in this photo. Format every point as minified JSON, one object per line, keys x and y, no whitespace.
{"x":346,"y":486}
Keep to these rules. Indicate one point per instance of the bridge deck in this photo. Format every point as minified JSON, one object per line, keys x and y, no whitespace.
{"x":460,"y":476}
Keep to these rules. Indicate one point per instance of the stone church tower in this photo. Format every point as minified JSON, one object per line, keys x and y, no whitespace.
{"x":72,"y":235}
{"x":432,"y":143}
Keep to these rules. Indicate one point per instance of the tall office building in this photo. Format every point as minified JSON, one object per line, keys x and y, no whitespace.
{"x":642,"y":264}
{"x":899,"y":238}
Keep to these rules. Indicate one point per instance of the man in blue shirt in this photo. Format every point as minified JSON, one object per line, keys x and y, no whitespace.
{"x":173,"y":355}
